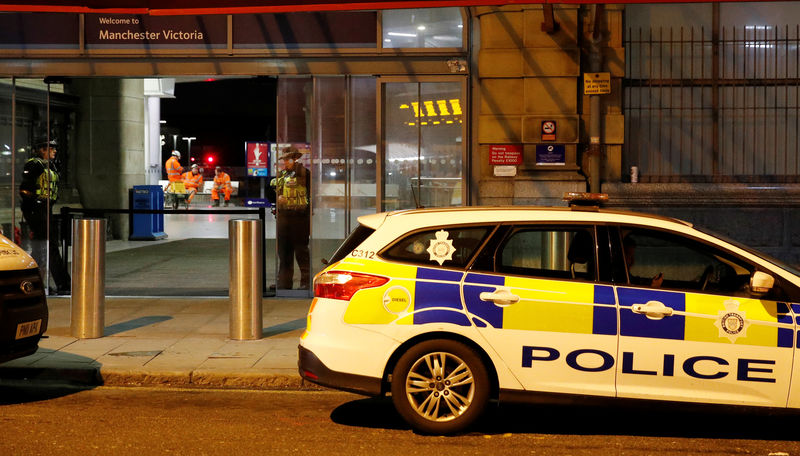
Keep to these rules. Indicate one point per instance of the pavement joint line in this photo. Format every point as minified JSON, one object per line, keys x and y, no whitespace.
{"x":270,"y":362}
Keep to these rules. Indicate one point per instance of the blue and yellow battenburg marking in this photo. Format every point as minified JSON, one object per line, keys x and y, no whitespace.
{"x":696,"y":314}
{"x":545,"y":305}
{"x":419,"y":295}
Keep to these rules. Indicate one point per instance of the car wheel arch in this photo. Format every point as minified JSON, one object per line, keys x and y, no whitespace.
{"x":491,"y":369}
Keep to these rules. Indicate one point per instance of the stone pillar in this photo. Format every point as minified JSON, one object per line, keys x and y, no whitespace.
{"x":110,"y":144}
{"x":526,"y":76}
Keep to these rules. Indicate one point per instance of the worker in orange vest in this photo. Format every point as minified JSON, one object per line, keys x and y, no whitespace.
{"x":192,"y":180}
{"x":174,"y":168}
{"x":222,"y":183}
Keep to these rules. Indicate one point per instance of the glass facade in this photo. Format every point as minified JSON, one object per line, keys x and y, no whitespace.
{"x":423,"y":28}
{"x":370,"y":145}
{"x":424,"y":147}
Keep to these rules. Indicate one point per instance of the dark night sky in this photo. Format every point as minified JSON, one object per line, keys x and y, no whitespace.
{"x":222,"y":115}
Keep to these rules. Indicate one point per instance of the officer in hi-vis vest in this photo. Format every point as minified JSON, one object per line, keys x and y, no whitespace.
{"x":292,"y":187}
{"x":39,"y":191}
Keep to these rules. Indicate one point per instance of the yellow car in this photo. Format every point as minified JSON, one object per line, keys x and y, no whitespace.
{"x":23,"y":305}
{"x":447,"y":309}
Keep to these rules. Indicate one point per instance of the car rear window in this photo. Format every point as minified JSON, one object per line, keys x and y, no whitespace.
{"x":448,"y":246}
{"x":356,"y":237}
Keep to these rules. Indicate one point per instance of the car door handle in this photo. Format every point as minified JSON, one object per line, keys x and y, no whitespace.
{"x":501,"y":297}
{"x":653,"y":310}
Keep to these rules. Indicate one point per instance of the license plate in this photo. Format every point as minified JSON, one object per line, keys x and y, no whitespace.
{"x":27,"y":329}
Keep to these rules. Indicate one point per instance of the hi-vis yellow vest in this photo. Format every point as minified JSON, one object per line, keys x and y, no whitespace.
{"x":46,"y":183}
{"x":291,"y":195}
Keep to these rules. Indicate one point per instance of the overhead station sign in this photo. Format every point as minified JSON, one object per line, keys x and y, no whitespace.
{"x":137,"y":31}
{"x":35,"y":31}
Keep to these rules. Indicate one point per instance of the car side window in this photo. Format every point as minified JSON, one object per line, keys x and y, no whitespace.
{"x":564,"y":253}
{"x":446,"y":246}
{"x":662,"y":260}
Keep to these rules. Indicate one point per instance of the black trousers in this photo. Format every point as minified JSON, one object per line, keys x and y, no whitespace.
{"x":293,"y":230}
{"x":35,"y":214}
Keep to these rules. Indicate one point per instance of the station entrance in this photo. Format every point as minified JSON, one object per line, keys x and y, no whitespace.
{"x":374,"y":143}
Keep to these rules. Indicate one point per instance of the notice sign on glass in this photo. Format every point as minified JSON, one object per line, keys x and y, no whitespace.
{"x":258,"y":158}
{"x":137,"y":31}
{"x":505,"y":154}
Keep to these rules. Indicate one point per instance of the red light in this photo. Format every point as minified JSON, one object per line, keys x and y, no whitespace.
{"x":343,"y":285}
{"x":210,"y":159}
{"x":192,"y":159}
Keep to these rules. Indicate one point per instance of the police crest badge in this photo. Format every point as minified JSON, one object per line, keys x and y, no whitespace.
{"x":441,"y":249}
{"x":732,"y":322}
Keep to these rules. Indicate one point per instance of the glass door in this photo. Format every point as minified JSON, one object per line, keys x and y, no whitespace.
{"x":342,"y":162}
{"x":423,"y":147}
{"x":34,"y":141}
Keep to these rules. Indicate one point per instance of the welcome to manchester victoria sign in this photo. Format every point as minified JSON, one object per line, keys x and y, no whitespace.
{"x":125,"y":31}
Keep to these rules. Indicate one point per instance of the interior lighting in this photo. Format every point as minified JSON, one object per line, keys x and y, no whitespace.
{"x":421,"y":27}
{"x":429,"y":109}
{"x":442,"y":107}
{"x":406,"y":35}
{"x":455,"y":103}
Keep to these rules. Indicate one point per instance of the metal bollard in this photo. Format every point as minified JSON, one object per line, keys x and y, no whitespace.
{"x":246,"y":277}
{"x":88,"y":299}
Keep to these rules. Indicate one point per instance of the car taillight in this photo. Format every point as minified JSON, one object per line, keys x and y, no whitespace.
{"x":343,"y":285}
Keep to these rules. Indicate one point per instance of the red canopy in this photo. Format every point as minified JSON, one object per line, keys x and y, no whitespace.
{"x":184,"y":7}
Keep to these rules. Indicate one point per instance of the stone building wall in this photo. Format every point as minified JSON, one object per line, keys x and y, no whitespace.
{"x":525,"y":76}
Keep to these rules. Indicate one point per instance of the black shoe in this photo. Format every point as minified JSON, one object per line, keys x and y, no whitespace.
{"x":216,"y":203}
{"x":59,"y":292}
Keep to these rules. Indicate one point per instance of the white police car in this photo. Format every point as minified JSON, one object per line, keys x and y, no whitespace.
{"x":23,"y":306}
{"x":449,"y":308}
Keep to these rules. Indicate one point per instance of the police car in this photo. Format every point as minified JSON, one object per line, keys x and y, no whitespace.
{"x":23,"y":306}
{"x":447,"y":309}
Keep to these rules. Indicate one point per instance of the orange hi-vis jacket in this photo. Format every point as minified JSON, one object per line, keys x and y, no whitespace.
{"x":221,"y":183}
{"x":174,"y":169}
{"x":192,"y":181}
{"x":223,"y":180}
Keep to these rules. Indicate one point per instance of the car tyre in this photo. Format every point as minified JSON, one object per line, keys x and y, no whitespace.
{"x":440,"y":386}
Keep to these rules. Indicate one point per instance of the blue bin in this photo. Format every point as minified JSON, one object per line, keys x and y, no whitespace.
{"x":147,"y":227}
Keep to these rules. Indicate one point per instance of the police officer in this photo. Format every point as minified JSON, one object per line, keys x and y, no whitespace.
{"x":292,"y":187}
{"x":39,"y":192}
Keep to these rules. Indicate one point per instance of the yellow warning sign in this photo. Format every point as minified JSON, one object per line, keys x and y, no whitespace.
{"x":596,"y":83}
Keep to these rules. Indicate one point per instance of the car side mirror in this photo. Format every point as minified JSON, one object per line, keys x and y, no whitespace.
{"x":761,"y":282}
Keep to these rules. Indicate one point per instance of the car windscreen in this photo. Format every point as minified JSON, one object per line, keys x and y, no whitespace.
{"x":751,"y":250}
{"x":356,"y":237}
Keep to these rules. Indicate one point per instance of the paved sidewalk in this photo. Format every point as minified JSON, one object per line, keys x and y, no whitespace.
{"x":181,"y":342}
